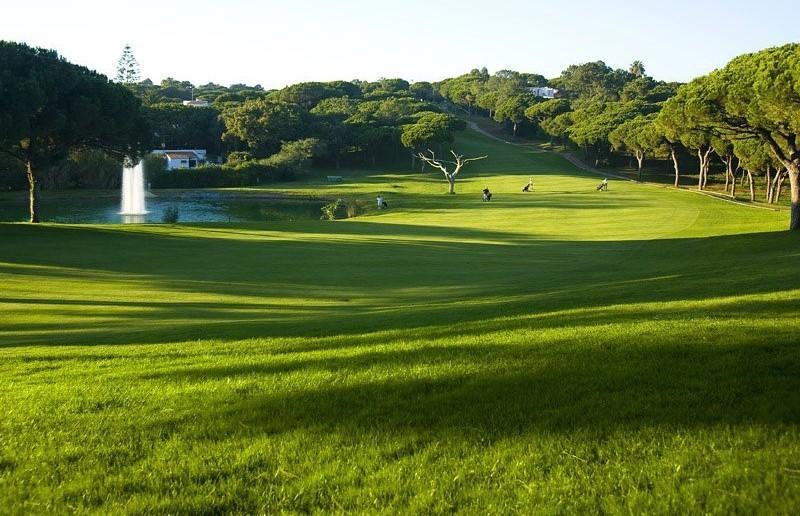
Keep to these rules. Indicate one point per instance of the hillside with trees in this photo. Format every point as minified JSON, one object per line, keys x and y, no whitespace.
{"x":738,"y":123}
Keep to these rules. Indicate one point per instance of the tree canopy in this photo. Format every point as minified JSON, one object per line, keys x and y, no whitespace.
{"x":49,"y":107}
{"x":754,"y":96}
{"x":744,"y":115}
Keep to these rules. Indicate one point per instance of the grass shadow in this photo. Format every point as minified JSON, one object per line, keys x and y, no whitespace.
{"x":360,"y":277}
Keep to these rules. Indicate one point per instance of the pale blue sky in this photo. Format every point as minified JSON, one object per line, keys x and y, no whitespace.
{"x":279,"y":42}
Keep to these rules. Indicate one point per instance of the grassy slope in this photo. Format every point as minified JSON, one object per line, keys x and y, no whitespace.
{"x":657,"y":172}
{"x":567,"y":350}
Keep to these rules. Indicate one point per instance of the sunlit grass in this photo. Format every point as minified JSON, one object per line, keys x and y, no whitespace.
{"x":563,"y":351}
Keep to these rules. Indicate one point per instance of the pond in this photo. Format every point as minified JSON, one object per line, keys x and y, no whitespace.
{"x":192,"y":206}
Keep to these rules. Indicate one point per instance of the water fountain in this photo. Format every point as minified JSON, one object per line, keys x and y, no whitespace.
{"x":133,"y":203}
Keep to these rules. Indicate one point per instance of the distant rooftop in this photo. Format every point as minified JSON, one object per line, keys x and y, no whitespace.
{"x":198,"y":152}
{"x":181,"y":155}
{"x":196,"y":103}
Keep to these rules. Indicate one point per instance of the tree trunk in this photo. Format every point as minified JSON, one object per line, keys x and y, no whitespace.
{"x":730,"y":174}
{"x":727,"y":174}
{"x":778,"y":187}
{"x":733,"y":188}
{"x":769,"y":184}
{"x":752,"y":186}
{"x":640,"y":161}
{"x":794,"y":181}
{"x":452,"y":184}
{"x":33,"y":193}
{"x":515,"y":129}
{"x":704,"y":157}
{"x":674,"y":156}
{"x":700,"y":179}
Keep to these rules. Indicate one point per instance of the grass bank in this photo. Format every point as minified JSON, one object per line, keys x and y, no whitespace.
{"x":562,"y":351}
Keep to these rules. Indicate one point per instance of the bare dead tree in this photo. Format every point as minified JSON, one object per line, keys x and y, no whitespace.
{"x":441,"y":164}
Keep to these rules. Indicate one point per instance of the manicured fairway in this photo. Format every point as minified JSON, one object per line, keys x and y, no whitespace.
{"x":564,"y":351}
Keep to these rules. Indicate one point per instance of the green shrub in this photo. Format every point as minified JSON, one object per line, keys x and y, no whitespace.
{"x":295,"y":157}
{"x":354,"y":208}
{"x":238,"y":157}
{"x":154,"y":164}
{"x":89,"y":168}
{"x":241,"y":169}
{"x":171,"y":215}
{"x":255,"y":169}
{"x":342,"y":209}
{"x":334,"y":210}
{"x":215,"y":176}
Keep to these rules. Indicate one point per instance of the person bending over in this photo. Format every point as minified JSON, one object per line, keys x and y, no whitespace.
{"x":529,"y":186}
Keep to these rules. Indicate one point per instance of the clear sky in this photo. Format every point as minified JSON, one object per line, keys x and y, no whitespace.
{"x":279,"y":42}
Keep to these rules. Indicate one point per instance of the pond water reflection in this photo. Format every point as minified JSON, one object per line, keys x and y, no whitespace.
{"x":193,"y":206}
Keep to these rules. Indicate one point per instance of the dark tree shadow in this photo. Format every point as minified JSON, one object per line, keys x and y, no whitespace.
{"x":361,"y":277}
{"x":520,"y":389}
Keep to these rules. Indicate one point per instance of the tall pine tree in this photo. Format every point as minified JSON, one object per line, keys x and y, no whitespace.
{"x":127,"y":67}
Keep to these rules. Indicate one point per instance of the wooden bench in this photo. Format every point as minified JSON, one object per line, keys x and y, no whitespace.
{"x":335,"y":179}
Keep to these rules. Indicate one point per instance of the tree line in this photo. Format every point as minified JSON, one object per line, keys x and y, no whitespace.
{"x":606,"y":112}
{"x":341,"y":122}
{"x":743,"y":116}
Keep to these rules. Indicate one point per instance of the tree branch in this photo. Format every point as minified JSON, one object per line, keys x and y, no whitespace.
{"x":776,"y":148}
{"x":14,"y":155}
{"x":474,"y":159}
{"x":459,"y":163}
{"x":432,"y":161}
{"x":791,"y":140}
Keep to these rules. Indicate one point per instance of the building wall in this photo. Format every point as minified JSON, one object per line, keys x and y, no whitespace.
{"x":179,"y":164}
{"x":176,"y":164}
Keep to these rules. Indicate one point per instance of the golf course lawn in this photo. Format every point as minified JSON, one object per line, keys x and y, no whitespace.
{"x":563,"y":351}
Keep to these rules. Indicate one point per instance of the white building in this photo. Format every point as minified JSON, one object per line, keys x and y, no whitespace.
{"x":196,"y":103}
{"x":182,"y":158}
{"x":544,"y":92}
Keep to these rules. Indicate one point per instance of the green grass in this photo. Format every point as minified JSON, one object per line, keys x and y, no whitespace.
{"x":565,"y":351}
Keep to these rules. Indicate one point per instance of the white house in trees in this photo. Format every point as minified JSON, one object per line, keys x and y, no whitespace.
{"x":182,"y":158}
{"x":196,"y":103}
{"x":544,"y":93}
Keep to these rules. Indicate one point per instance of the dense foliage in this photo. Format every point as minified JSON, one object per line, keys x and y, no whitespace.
{"x":592,"y":100}
{"x":748,"y":114}
{"x":741,"y":119}
{"x":50,"y":108}
{"x":744,"y":117}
